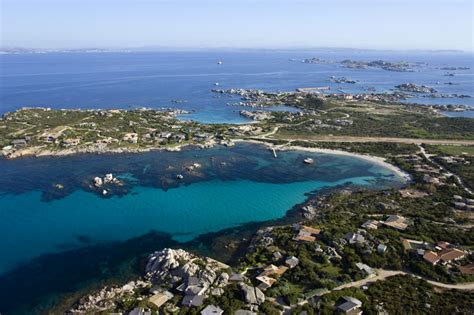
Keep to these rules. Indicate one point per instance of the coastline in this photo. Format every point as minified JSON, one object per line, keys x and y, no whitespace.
{"x":370,"y":158}
{"x":232,"y":240}
{"x":38,"y":152}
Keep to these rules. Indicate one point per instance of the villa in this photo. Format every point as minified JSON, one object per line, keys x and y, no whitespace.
{"x":371,"y":224}
{"x":292,"y":262}
{"x":266,"y":282}
{"x":445,"y":255}
{"x":192,"y":300}
{"x":307,"y":234}
{"x":350,"y":306}
{"x":354,"y":238}
{"x":396,"y":221}
{"x":467,"y":269}
{"x":161,"y":298}
{"x":363,"y":267}
{"x":130,"y":137}
{"x":212,"y":310}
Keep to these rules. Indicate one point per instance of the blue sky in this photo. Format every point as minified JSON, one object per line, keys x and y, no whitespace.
{"x":380,"y":24}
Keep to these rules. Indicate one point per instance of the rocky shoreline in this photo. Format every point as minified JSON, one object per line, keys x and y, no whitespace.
{"x":187,"y":280}
{"x":41,"y":152}
{"x":168,"y":269}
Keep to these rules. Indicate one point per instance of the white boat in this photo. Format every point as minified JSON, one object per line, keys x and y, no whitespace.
{"x":219,"y":62}
{"x":308,"y":161}
{"x":179,"y":176}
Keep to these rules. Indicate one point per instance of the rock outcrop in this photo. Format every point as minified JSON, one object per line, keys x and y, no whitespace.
{"x":414,"y":88}
{"x":169,"y":268}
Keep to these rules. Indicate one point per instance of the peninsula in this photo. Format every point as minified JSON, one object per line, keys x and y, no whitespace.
{"x":320,"y":117}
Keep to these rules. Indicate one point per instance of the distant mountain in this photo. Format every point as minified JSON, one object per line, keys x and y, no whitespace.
{"x":23,"y":50}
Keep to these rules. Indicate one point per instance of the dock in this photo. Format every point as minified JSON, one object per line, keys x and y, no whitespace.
{"x":274,"y":153}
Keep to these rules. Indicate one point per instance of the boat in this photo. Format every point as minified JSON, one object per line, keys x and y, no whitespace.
{"x":179,"y":176}
{"x":308,"y":160}
{"x":219,"y":62}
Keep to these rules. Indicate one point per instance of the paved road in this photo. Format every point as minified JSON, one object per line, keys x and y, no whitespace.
{"x":383,"y":274}
{"x":376,"y":139}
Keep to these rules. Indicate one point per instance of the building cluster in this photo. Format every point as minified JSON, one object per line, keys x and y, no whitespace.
{"x":117,"y":130}
{"x":455,"y":160}
{"x":394,"y":221}
{"x":441,"y":253}
{"x":431,"y":174}
{"x":374,"y":97}
{"x":306,"y":233}
{"x":256,"y":115}
{"x":462,"y":203}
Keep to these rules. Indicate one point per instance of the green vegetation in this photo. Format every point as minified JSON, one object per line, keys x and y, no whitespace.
{"x":451,"y":150}
{"x":35,"y":131}
{"x":403,"y":295}
{"x":431,"y":218}
{"x":372,"y":119}
{"x":461,"y":164}
{"x":330,"y":260}
{"x":230,"y":301}
{"x":406,"y":125}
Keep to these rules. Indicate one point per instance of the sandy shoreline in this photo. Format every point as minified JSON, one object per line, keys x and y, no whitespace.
{"x":373,"y":159}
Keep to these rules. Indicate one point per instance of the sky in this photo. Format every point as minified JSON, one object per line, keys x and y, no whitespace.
{"x":373,"y":24}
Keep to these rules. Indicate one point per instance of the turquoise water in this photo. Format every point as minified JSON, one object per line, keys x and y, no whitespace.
{"x":185,"y":213}
{"x":234,"y":186}
{"x":70,"y":239}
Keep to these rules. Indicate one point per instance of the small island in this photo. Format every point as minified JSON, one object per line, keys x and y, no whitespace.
{"x":401,"y":66}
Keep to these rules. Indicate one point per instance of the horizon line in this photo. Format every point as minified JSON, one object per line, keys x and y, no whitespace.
{"x":153,"y":48}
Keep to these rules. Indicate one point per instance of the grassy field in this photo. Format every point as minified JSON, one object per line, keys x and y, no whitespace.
{"x":451,"y":149}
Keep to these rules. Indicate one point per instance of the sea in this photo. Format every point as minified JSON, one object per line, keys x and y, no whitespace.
{"x":185,"y":79}
{"x":60,"y":236}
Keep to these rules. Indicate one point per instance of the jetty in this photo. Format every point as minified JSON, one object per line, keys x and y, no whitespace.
{"x":274,"y":153}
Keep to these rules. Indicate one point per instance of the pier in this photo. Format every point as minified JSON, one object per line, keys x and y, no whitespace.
{"x":274,"y":153}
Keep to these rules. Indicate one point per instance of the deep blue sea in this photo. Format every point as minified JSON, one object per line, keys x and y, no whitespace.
{"x":123,"y":80}
{"x":57,"y":241}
